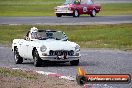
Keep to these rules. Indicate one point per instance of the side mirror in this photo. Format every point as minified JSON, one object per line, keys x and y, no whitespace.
{"x":26,"y":38}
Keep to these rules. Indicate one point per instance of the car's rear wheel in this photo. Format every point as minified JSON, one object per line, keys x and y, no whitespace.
{"x":74,"y":62}
{"x":76,"y":13}
{"x":37,"y":59}
{"x":18,"y":59}
{"x":58,"y":15}
{"x":93,"y":14}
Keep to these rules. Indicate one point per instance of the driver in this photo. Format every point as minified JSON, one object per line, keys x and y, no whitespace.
{"x":77,"y":2}
{"x":33,"y":33}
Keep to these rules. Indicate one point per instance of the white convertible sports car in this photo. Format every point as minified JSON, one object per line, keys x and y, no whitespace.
{"x":47,"y":46}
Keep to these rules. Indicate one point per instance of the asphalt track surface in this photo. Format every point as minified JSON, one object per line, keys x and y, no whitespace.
{"x":94,"y":61}
{"x":83,"y":20}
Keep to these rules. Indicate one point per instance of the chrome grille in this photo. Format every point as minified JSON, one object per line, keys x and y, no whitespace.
{"x":64,"y":8}
{"x":61,"y":52}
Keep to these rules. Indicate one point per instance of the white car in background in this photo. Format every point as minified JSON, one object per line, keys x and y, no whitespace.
{"x":49,"y":46}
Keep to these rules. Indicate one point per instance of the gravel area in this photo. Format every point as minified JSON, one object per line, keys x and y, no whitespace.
{"x":40,"y":81}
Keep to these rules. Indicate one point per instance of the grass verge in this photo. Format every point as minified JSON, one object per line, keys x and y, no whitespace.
{"x":10,"y":78}
{"x":16,"y":73}
{"x":89,"y":36}
{"x":28,"y":8}
{"x":46,"y":8}
{"x":116,"y":9}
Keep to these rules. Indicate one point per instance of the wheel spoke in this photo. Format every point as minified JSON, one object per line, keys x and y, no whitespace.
{"x":36,"y":59}
{"x":76,"y":13}
{"x":18,"y":59}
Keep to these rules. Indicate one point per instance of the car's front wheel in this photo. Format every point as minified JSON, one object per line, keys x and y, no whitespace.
{"x":58,"y":15}
{"x":18,"y":59}
{"x":93,"y":14}
{"x":76,"y":13}
{"x":74,"y":62}
{"x":37,"y":59}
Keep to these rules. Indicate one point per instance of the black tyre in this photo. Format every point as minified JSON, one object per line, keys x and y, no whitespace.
{"x":76,"y":13}
{"x":81,"y":80}
{"x":74,"y":62}
{"x":58,"y":15}
{"x":37,"y":59}
{"x":93,"y":14}
{"x":18,"y":59}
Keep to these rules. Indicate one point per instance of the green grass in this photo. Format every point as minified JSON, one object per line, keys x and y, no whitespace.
{"x":89,"y":36}
{"x":16,"y":73}
{"x":27,"y":7}
{"x":116,"y":9}
{"x":46,"y":8}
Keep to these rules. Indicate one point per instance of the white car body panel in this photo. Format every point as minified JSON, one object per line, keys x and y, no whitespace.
{"x":25,"y":48}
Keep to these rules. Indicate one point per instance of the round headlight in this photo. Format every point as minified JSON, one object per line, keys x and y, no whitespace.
{"x":77,"y":48}
{"x":43,"y":48}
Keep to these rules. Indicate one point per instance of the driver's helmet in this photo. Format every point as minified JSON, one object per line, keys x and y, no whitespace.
{"x":34,"y":33}
{"x":77,"y":2}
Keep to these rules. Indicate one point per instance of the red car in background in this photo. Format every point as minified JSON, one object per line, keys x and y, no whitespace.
{"x":77,"y":7}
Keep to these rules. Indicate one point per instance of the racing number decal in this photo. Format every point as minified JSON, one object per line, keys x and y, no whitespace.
{"x":85,"y":9}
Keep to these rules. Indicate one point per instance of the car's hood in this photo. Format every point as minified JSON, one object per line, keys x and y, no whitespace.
{"x":53,"y":44}
{"x":64,"y":6}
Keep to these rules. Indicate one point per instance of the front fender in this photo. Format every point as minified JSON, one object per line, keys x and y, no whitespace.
{"x":15,"y":43}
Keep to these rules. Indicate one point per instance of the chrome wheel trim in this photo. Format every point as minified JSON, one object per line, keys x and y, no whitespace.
{"x":16,"y":56}
{"x":35,"y":60}
{"x":94,"y":12}
{"x":76,"y":13}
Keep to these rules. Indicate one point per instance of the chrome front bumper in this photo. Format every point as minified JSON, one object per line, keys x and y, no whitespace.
{"x":55,"y":58}
{"x":64,"y":11}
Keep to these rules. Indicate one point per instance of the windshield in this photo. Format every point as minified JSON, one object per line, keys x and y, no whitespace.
{"x":69,"y":2}
{"x":58,"y":35}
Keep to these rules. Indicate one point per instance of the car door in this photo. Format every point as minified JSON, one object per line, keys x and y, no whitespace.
{"x":22,"y":48}
{"x":30,"y":46}
{"x":84,"y":6}
{"x":79,"y":7}
{"x":90,"y":6}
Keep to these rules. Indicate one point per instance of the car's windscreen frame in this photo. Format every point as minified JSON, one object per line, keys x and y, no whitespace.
{"x":58,"y":35}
